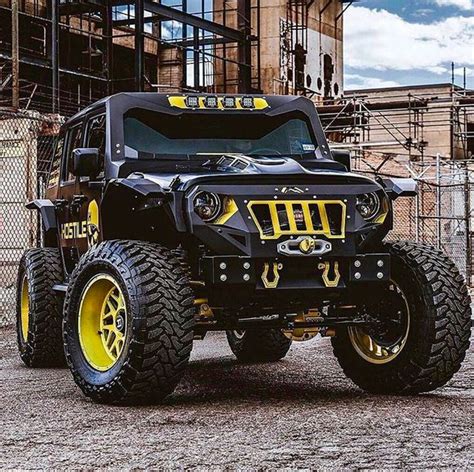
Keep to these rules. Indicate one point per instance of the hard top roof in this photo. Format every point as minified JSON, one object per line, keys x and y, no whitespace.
{"x":134,"y":99}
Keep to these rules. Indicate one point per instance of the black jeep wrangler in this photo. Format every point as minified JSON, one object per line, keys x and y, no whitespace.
{"x":168,"y":216}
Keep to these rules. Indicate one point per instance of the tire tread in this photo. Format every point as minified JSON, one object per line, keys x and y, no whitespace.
{"x":162,"y":327}
{"x":442,"y":350}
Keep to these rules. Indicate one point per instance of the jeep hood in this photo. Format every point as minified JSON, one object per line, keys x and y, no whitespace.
{"x":239,"y":169}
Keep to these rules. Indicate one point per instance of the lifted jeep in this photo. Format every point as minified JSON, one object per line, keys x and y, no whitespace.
{"x":168,"y":216}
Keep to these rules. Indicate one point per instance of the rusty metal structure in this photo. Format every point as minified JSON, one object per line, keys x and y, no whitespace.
{"x":60,"y":55}
{"x":73,"y":52}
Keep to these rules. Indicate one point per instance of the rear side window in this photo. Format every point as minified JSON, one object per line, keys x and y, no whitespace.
{"x":95,"y":138}
{"x":74,"y":140}
{"x":56,"y":162}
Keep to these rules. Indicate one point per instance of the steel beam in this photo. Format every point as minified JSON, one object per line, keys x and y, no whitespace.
{"x":15,"y":57}
{"x":167,"y":13}
{"x":139,"y":46}
{"x":108,"y":32}
{"x":245,"y":51}
{"x":196,"y":58}
{"x":189,"y":43}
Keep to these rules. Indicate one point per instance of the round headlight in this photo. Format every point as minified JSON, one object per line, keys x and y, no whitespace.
{"x":368,"y":205}
{"x":207,"y":205}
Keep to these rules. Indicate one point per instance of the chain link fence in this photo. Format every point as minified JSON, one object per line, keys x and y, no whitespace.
{"x":26,"y":140}
{"x":441,"y":214}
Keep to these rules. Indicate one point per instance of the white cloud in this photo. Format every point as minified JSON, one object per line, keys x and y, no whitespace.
{"x":458,"y":71}
{"x":384,"y":41}
{"x":357,"y":81}
{"x":462,"y":4}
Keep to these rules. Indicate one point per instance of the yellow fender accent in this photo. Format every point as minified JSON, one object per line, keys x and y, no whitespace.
{"x":93,"y":227}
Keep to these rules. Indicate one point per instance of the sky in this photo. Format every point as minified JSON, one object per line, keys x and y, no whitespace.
{"x":408,"y":42}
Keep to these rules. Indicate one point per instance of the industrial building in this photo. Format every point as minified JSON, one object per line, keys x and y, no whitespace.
{"x":72,"y":52}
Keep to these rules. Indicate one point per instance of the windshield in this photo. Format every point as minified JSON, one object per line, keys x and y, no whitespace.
{"x":153,"y":135}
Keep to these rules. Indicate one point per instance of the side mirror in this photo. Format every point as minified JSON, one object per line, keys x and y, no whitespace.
{"x":343,"y":157}
{"x":86,"y":162}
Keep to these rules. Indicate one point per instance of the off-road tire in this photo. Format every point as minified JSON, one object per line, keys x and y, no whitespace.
{"x":160,"y":314}
{"x":259,"y":345}
{"x":439,"y":330}
{"x":43,"y":346}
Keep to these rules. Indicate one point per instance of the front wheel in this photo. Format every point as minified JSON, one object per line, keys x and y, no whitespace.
{"x":421,"y":331}
{"x":129,"y":320}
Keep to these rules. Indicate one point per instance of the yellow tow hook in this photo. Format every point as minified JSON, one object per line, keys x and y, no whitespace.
{"x":277,"y":266}
{"x":325,"y":267}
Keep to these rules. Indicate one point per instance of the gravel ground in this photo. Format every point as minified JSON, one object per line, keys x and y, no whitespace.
{"x":297,"y":413}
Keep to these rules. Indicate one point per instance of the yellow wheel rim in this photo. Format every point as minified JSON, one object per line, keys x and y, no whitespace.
{"x":24,"y":309}
{"x":375,"y":351}
{"x":102,"y":322}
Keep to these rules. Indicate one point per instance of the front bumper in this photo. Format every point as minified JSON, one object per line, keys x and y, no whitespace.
{"x":291,"y":273}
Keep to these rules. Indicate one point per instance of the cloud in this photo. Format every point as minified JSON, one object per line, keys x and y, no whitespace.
{"x":357,"y":81}
{"x":458,"y":71}
{"x":461,"y":4}
{"x":384,"y":41}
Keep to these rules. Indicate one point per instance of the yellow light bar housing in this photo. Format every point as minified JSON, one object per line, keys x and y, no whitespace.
{"x":179,"y":101}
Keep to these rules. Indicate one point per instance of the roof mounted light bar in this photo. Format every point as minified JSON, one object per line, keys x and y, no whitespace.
{"x":213,"y":102}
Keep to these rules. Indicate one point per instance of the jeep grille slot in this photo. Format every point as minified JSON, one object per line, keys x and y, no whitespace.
{"x":295,"y":217}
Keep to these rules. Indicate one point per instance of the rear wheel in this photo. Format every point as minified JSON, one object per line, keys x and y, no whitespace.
{"x":39,"y":309}
{"x":421,"y":327}
{"x":129,"y":319}
{"x":258,"y":345}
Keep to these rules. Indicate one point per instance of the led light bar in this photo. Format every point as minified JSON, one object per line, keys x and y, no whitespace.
{"x":211,"y":102}
{"x":214,"y":102}
{"x":229,"y":102}
{"x":192,"y":101}
{"x":247,"y":102}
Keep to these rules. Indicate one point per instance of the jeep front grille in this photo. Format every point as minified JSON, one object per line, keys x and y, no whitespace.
{"x":275,"y":218}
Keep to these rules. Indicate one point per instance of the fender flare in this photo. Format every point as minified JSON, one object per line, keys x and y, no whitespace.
{"x":400,"y":187}
{"x":47,"y":211}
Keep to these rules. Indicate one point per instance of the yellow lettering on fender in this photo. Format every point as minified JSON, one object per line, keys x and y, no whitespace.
{"x":74,"y":229}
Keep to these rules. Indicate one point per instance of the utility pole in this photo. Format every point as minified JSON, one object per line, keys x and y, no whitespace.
{"x":15,"y":57}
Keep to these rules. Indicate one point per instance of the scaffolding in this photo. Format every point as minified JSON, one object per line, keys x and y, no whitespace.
{"x":406,"y":122}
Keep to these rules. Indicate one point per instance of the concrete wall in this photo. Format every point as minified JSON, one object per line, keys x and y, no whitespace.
{"x":277,"y":74}
{"x":323,"y":45}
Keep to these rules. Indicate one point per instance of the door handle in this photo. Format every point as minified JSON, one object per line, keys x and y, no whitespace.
{"x":78,"y":200}
{"x":60,"y":203}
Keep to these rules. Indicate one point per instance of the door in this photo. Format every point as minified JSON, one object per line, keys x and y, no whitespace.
{"x":70,"y":229}
{"x":91,"y":190}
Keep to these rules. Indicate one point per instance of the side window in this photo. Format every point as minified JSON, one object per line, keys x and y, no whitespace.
{"x":95,"y":138}
{"x":56,"y":162}
{"x":74,"y":140}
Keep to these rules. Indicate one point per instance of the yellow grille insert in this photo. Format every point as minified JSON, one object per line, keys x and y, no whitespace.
{"x":275,"y":218}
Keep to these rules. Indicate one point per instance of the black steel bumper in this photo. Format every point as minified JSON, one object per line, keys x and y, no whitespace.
{"x":295,"y":273}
